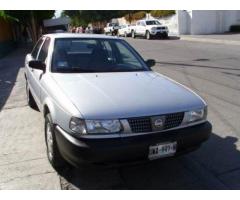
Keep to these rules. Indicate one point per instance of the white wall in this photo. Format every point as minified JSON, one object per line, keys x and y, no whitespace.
{"x":206,"y":21}
{"x":172,"y":24}
{"x":203,"y":22}
{"x":197,"y":22}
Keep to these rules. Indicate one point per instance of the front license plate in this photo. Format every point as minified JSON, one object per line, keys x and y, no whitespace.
{"x":162,"y":150}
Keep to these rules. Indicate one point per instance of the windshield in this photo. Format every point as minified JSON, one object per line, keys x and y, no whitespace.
{"x":95,"y":55}
{"x":153,"y":22}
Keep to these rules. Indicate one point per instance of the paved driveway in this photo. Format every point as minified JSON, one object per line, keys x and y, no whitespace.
{"x":23,"y":162}
{"x":212,"y":70}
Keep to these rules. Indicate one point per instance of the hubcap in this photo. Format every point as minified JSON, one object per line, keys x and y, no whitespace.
{"x":49,"y":141}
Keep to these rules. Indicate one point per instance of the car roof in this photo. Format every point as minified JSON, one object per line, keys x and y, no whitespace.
{"x":79,"y":35}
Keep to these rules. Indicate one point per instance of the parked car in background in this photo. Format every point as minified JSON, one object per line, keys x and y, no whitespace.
{"x":149,"y":29}
{"x":102,"y":103}
{"x":111,"y":28}
{"x":124,"y":30}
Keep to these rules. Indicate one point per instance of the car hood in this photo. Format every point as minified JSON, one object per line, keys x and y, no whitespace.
{"x":126,"y":94}
{"x":156,"y":26}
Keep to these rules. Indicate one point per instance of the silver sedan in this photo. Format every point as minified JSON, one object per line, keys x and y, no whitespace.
{"x":102,"y":103}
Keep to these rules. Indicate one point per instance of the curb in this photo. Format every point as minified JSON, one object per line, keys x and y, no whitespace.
{"x":210,"y":40}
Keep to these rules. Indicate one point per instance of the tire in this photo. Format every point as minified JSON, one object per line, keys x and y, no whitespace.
{"x":165,"y":36}
{"x":132,"y":34}
{"x":30,"y":100}
{"x":53,"y":154}
{"x":148,"y":35}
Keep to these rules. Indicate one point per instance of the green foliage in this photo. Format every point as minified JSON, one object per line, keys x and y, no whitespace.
{"x":162,"y":13}
{"x":135,"y":15}
{"x":5,"y":16}
{"x":85,"y":17}
{"x":25,"y":16}
{"x":32,"y":19}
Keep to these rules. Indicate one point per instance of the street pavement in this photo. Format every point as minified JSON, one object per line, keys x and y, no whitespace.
{"x":211,"y":70}
{"x":23,"y":161}
{"x":227,"y":38}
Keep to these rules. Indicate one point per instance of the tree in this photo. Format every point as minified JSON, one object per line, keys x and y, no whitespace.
{"x":84,"y":17}
{"x":31,"y":19}
{"x":162,"y":13}
{"x":5,"y":16}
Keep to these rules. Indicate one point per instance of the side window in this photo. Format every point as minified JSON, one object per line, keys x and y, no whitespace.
{"x":44,"y":50}
{"x":36,"y":48}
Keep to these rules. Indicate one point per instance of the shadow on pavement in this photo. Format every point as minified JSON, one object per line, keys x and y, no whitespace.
{"x":9,"y":68}
{"x":202,"y":169}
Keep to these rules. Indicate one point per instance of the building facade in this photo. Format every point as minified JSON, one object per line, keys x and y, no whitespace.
{"x":197,"y":22}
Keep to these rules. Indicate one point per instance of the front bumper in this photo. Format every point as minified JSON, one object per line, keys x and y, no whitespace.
{"x":127,"y":149}
{"x":159,"y":33}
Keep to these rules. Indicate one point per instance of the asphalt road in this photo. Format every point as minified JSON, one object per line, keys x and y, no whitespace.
{"x":211,"y":70}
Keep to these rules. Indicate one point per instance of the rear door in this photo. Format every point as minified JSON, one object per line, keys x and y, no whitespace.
{"x":142,"y":28}
{"x":138,"y":28}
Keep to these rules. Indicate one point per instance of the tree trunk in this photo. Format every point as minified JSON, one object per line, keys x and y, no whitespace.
{"x":34,"y":29}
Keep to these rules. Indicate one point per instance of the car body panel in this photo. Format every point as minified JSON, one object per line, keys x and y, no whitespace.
{"x":126,"y":94}
{"x":111,"y":95}
{"x":141,"y":28}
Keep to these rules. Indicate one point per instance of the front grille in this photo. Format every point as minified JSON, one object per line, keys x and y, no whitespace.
{"x":160,"y":28}
{"x":144,"y":124}
{"x":140,"y":125}
{"x":173,"y":120}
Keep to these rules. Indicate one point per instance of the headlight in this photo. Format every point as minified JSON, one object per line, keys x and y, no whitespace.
{"x":153,"y":29}
{"x":195,"y":116}
{"x":94,"y":126}
{"x":103,"y":126}
{"x":77,"y":125}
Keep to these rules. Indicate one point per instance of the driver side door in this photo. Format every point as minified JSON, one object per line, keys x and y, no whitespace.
{"x":30,"y":75}
{"x":37,"y":74}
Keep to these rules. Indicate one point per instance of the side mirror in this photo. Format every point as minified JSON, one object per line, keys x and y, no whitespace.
{"x":150,"y":62}
{"x":37,"y":64}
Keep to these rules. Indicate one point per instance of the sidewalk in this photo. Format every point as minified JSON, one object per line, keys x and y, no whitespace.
{"x":228,"y":38}
{"x":23,"y":162}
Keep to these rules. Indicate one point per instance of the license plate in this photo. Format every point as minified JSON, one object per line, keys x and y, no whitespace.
{"x":162,"y":150}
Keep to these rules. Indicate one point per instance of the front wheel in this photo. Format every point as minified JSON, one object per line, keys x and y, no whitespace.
{"x":133,"y":34}
{"x":148,"y":35}
{"x":53,"y":154}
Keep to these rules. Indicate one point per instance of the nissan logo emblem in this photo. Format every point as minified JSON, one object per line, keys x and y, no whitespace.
{"x":158,"y":123}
